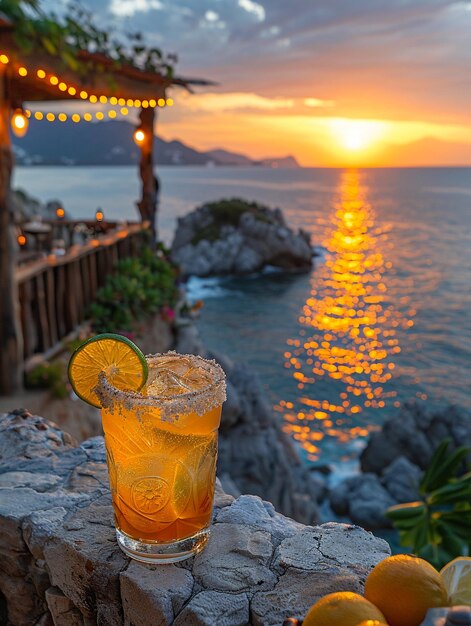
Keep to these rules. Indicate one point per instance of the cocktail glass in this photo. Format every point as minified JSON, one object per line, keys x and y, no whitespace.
{"x":161,"y":446}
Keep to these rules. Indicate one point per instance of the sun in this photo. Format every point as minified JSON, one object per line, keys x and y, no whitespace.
{"x":357,"y":135}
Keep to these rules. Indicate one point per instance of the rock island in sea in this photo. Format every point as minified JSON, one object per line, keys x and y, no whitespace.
{"x":238,"y":237}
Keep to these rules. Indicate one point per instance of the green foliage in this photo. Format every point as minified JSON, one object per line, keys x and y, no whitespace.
{"x":65,"y":35}
{"x":227,"y":212}
{"x":49,"y":376}
{"x":438,"y":527}
{"x":140,"y":287}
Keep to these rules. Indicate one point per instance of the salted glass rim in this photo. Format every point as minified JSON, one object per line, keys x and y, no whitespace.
{"x":108,"y":393}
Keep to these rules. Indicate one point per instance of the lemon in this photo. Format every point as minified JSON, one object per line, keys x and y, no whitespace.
{"x":123,"y":363}
{"x":342,"y":608}
{"x":457,"y":578}
{"x":404,"y":587}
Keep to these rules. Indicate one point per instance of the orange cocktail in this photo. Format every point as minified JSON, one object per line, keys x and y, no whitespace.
{"x":161,"y":447}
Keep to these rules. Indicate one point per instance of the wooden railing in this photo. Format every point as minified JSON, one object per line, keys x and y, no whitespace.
{"x":55,"y":292}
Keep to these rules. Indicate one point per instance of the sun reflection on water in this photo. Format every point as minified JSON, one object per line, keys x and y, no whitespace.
{"x":348,"y":331}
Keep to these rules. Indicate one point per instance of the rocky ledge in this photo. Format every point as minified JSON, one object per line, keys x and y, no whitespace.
{"x":60,"y":564}
{"x":238,"y":237}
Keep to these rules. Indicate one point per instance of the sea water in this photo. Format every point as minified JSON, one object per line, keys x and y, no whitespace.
{"x":411,"y":230}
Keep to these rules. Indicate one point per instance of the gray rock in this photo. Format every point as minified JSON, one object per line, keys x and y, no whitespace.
{"x":312,"y":563}
{"x":415,"y":434}
{"x":402,"y":479}
{"x":369,"y":502}
{"x":339,"y":543}
{"x":38,"y":482}
{"x":247,"y":261}
{"x":153,"y":595}
{"x":364,"y":499}
{"x":235,"y":559}
{"x":252,"y":511}
{"x":232,"y":407}
{"x":455,"y":616}
{"x":213,"y":608}
{"x":259,"y":239}
{"x":62,"y":610}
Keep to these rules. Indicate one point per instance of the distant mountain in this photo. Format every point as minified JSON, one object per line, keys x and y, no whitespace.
{"x":223,"y":157}
{"x":111,"y":143}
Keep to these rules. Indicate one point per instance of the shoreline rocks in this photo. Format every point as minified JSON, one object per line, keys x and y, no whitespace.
{"x":61,"y":563}
{"x":393,"y":462}
{"x":237,"y":237}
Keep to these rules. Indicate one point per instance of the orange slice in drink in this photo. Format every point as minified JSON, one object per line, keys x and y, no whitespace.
{"x":122,"y":362}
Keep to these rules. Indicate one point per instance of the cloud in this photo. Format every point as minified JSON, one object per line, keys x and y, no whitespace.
{"x":318,"y":103}
{"x":211,"y":16}
{"x":127,"y":8}
{"x":218,"y":102}
{"x":254,"y":8}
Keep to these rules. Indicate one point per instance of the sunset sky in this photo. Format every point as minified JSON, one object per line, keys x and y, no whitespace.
{"x":343,"y":82}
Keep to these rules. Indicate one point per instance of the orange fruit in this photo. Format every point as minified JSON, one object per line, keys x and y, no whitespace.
{"x":372,"y":622}
{"x":456,"y":576}
{"x":122,"y":362}
{"x":404,"y":588}
{"x":342,"y":608}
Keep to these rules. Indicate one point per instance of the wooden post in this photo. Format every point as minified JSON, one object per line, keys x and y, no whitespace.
{"x":11,"y":341}
{"x":148,"y":203}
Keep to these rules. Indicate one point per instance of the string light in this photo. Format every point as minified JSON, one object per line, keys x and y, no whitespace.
{"x":19,"y":123}
{"x":60,"y":213}
{"x":21,"y":240}
{"x":139,"y":136}
{"x":99,"y":215}
{"x":64,"y":87}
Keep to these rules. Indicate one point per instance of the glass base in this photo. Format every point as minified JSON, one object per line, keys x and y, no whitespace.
{"x":155,"y":553}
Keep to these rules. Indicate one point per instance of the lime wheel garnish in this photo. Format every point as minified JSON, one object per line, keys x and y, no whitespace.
{"x":123,"y":364}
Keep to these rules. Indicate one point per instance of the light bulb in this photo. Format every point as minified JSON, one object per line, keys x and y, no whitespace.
{"x":19,"y":123}
{"x":139,"y":136}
